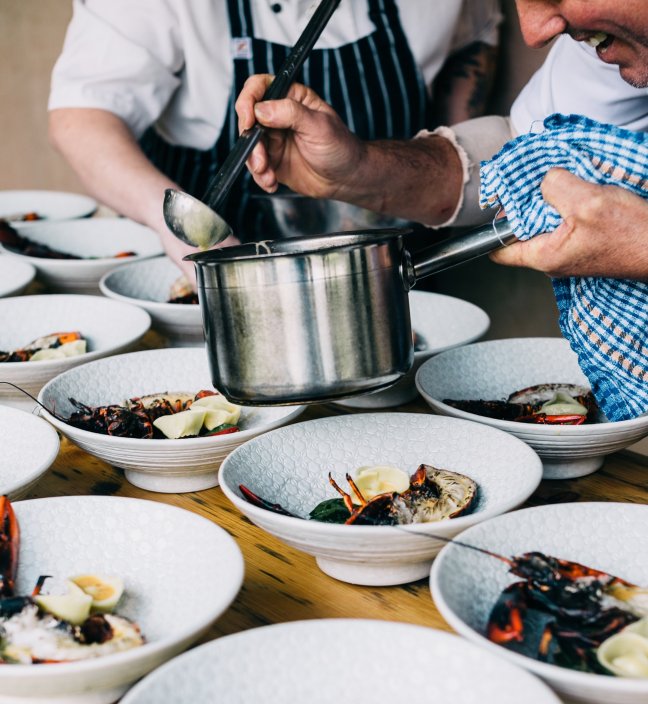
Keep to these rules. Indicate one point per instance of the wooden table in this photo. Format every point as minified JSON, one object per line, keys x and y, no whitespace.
{"x":282,"y":584}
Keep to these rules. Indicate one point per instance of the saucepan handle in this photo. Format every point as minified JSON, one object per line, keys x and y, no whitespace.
{"x":457,"y":250}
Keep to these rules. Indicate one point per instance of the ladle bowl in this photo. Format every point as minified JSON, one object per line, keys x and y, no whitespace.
{"x":192,"y":222}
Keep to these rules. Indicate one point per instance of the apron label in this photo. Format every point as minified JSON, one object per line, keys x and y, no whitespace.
{"x":241,"y":47}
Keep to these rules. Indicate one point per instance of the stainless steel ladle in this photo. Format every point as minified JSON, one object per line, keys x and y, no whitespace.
{"x":199,"y":223}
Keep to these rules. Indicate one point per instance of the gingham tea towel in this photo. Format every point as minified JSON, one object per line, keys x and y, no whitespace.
{"x":605,"y":320}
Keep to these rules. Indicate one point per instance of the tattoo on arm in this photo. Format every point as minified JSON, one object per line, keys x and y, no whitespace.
{"x":464,"y":84}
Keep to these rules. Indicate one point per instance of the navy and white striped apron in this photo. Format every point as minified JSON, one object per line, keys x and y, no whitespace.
{"x":374,"y":85}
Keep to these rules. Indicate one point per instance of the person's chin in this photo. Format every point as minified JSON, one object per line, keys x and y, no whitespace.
{"x":635,"y":76}
{"x":633,"y":65}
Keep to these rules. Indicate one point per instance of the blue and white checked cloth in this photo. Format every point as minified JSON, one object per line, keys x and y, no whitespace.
{"x":605,"y":320}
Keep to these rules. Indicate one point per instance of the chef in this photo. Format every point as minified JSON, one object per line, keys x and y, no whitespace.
{"x":142,"y":96}
{"x":598,"y":67}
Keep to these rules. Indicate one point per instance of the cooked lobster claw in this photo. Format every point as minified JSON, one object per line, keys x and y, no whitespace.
{"x":9,"y":542}
{"x":262,"y":503}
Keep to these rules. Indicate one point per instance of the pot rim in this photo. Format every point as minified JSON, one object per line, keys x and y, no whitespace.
{"x":296,"y":246}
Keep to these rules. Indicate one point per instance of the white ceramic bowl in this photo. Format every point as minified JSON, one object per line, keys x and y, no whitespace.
{"x":181,"y":572}
{"x":110,"y":327}
{"x":186,"y":464}
{"x":339,"y":660}
{"x":442,"y":322}
{"x":493,"y":370}
{"x":51,"y":205}
{"x":607,"y":536}
{"x":29,"y":446}
{"x":290,"y":467}
{"x":15,"y":276}
{"x":148,"y":284}
{"x":101,"y":238}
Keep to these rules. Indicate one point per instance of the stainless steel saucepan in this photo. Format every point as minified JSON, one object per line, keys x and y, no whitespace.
{"x":314,"y":319}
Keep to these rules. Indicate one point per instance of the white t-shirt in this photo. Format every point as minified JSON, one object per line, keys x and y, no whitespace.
{"x":169,"y":61}
{"x":573,"y":80}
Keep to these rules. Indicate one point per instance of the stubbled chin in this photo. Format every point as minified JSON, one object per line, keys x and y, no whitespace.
{"x":638,"y":78}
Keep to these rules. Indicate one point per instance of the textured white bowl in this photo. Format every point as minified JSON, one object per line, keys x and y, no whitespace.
{"x":15,"y":276}
{"x":339,"y":660}
{"x":52,"y":205}
{"x":607,"y":536}
{"x":181,"y":572}
{"x":28,"y":446}
{"x":148,"y":284}
{"x":110,"y":327}
{"x":443,"y":322}
{"x":492,"y":370}
{"x":290,"y":467}
{"x":88,"y":237}
{"x":186,"y":464}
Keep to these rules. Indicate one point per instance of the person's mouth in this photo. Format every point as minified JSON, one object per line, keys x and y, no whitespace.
{"x":600,"y":41}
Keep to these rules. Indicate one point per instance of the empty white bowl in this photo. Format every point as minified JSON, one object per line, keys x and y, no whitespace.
{"x":51,"y":205}
{"x":100,"y":238}
{"x":15,"y":276}
{"x":186,"y":464}
{"x":29,"y":446}
{"x":148,"y":284}
{"x":342,"y":661}
{"x":289,"y":466}
{"x":493,"y":370}
{"x":110,"y":327}
{"x":441,"y":322}
{"x":610,"y":537}
{"x":180,"y":571}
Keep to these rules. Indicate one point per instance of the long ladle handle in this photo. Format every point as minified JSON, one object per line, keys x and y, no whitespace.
{"x":457,"y":250}
{"x":224,"y":179}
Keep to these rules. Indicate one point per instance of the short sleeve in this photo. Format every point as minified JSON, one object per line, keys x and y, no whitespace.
{"x":122,"y":56}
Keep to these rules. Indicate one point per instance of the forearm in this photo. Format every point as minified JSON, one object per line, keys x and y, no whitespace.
{"x":418,"y":179}
{"x":104,"y":154}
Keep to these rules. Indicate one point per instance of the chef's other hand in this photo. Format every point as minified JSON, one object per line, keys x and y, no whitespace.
{"x":604,"y":232}
{"x":307,"y":146}
{"x":177,"y":250}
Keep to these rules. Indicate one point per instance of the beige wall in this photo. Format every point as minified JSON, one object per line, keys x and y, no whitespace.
{"x":31,"y":35}
{"x":520,"y":303}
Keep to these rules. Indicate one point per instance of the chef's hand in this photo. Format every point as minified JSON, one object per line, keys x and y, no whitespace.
{"x":307,"y":146}
{"x":604,"y":232}
{"x":177,"y":250}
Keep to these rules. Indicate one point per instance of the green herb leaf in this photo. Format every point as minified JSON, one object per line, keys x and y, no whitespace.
{"x":330,"y":511}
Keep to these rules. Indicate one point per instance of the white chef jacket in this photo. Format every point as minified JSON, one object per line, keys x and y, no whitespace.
{"x":573,"y":80}
{"x":170,"y":61}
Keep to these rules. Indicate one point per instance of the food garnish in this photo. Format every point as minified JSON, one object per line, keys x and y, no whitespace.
{"x":104,"y":590}
{"x":56,"y":345}
{"x":626,"y":653}
{"x":182,"y":292}
{"x":430,"y":494}
{"x":545,"y":404}
{"x":62,"y":621}
{"x":163,"y":415}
